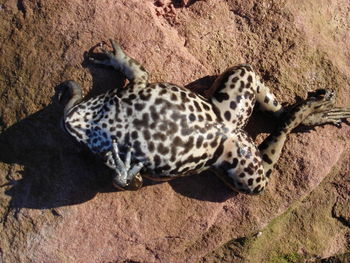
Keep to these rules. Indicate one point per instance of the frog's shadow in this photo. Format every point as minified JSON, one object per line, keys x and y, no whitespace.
{"x":58,"y":172}
{"x":53,"y":170}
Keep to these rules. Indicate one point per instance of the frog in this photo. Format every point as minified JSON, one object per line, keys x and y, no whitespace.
{"x":162,"y":131}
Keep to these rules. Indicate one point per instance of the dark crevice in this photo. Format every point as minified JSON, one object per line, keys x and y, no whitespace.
{"x":341,"y":219}
{"x":238,"y":13}
{"x":21,"y":7}
{"x":342,"y":258}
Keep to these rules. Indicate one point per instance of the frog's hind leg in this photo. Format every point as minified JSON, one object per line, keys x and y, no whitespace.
{"x":237,"y":90}
{"x":247,"y":169}
{"x":117,"y":59}
{"x":266,"y":99}
{"x":314,"y":111}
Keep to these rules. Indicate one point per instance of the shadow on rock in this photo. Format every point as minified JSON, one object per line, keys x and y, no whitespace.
{"x":205,"y":186}
{"x":56,"y":172}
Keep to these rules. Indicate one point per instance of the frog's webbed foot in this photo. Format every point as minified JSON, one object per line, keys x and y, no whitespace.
{"x":323,"y":100}
{"x":117,"y":59}
{"x":126,"y":176}
{"x":331,"y":116}
{"x":326,"y":113}
{"x":111,"y":57}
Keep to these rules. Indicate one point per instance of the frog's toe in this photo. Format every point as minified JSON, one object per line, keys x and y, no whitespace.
{"x":322,"y":101}
{"x":103,"y":62}
{"x":133,"y":181}
{"x":106,"y":57}
{"x":136,"y":183}
{"x":333,"y":116}
{"x":126,"y":173}
{"x":321,"y":94}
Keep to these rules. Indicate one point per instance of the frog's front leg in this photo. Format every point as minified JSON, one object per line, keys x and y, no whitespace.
{"x":126,"y":176}
{"x":117,"y":59}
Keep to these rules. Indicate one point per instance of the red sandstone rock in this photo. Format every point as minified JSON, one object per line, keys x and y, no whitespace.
{"x":63,"y":208}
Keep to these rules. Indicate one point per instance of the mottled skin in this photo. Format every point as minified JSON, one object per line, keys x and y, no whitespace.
{"x":163,"y":131}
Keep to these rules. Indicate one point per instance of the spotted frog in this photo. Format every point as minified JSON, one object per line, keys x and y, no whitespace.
{"x":163,"y":131}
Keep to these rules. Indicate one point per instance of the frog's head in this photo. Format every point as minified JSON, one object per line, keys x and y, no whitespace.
{"x":69,"y":94}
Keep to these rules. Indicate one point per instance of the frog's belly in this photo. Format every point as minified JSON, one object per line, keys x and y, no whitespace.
{"x":170,"y":144}
{"x":171,"y":131}
{"x":175,"y":156}
{"x":167,"y":148}
{"x":170,"y":148}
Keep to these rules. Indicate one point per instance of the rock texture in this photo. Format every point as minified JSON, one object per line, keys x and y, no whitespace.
{"x":57,"y":204}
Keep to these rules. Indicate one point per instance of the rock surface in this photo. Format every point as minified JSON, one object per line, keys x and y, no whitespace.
{"x":57,"y":204}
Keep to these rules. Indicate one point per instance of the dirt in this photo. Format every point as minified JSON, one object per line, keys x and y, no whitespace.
{"x":57,"y":202}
